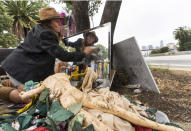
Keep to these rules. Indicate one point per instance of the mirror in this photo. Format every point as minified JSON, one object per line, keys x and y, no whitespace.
{"x":101,"y":62}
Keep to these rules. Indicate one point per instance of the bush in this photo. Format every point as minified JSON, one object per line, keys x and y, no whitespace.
{"x":161,"y":50}
{"x":164,"y":49}
{"x":155,"y":51}
{"x":8,"y":40}
{"x":187,"y":45}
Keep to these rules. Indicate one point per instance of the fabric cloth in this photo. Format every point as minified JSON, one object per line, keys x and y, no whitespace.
{"x":14,"y":81}
{"x":5,"y":91}
{"x":30,"y":85}
{"x":113,"y":98}
{"x":6,"y":82}
{"x":62,"y":20}
{"x":6,"y":86}
{"x":41,"y":129}
{"x":34,"y":59}
{"x":68,"y":25}
{"x":89,"y":78}
{"x":139,"y":128}
{"x":114,"y":122}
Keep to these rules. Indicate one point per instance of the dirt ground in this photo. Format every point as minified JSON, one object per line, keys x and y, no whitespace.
{"x":174,"y":99}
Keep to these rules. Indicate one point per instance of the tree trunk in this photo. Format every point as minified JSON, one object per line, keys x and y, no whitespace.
{"x":80,"y":11}
{"x":110,"y":14}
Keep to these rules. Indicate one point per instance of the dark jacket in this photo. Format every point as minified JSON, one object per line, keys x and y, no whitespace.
{"x":34,"y":59}
{"x":77,"y":44}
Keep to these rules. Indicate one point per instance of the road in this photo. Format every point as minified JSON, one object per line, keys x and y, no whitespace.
{"x":181,"y":62}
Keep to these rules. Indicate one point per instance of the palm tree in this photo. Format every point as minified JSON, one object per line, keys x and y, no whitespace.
{"x":25,"y":15}
{"x":182,"y":35}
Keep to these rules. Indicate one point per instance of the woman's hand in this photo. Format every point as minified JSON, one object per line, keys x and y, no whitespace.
{"x":88,"y":50}
{"x":59,"y":66}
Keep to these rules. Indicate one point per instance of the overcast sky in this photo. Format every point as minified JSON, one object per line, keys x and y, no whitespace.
{"x":150,"y":21}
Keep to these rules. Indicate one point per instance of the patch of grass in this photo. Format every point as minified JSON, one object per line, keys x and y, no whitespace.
{"x":159,"y":69}
{"x":149,"y":66}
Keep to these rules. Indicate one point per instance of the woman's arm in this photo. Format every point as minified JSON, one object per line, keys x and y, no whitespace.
{"x":77,"y":44}
{"x":49,"y":43}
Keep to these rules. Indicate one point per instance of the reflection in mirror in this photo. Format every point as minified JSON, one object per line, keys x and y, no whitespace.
{"x":99,"y":59}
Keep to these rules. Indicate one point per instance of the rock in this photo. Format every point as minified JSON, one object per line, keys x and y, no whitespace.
{"x":137,"y":91}
{"x":161,"y":117}
{"x":143,"y":108}
{"x":133,"y":86}
{"x":102,"y":83}
{"x":138,"y":102}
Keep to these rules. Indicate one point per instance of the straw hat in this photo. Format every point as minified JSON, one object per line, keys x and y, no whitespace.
{"x":48,"y":14}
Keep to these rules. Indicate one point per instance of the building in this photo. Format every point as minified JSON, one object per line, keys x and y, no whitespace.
{"x":161,"y":43}
{"x":146,"y":52}
{"x":144,"y":47}
{"x":157,"y":47}
{"x":172,"y":46}
{"x":150,"y":47}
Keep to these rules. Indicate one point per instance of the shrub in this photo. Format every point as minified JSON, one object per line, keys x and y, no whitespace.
{"x":164,"y":49}
{"x":187,"y":45}
{"x":155,"y":51}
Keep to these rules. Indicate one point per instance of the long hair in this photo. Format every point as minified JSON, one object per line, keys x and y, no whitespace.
{"x":46,"y":24}
{"x":83,"y":45}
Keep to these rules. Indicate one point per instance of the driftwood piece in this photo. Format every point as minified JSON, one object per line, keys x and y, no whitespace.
{"x":31,"y":93}
{"x":90,"y":119}
{"x":90,"y":77}
{"x":70,"y":95}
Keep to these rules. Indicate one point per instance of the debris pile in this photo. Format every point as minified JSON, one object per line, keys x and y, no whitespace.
{"x":61,"y":106}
